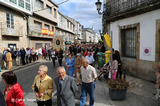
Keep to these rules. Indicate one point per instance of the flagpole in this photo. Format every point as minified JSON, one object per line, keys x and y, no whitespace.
{"x":111,"y":55}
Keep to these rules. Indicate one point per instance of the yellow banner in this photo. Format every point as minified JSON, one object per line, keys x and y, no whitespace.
{"x":108,"y":40}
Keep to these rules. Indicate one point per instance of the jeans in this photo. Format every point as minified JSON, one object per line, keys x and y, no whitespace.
{"x":71,"y":73}
{"x":87,"y":88}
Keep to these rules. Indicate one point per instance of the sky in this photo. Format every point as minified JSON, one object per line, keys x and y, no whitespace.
{"x":83,"y":11}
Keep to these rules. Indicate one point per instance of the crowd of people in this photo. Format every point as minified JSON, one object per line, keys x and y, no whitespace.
{"x":66,"y":86}
{"x":29,"y":55}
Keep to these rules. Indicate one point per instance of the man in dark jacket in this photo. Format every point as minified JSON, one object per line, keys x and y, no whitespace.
{"x":23,"y":53}
{"x":49,"y":52}
{"x":103,"y":49}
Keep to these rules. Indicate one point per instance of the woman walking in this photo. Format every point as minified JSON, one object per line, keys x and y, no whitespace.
{"x":43,"y":87}
{"x":70,"y":64}
{"x":13,"y":91}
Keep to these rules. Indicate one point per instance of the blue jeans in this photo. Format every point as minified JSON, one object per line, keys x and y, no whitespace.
{"x":87,"y":88}
{"x":70,"y":73}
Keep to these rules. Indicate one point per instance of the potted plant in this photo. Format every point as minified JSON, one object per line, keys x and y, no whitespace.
{"x":117,"y":89}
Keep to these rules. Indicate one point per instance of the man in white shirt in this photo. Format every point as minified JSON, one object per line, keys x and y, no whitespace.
{"x":89,"y":77}
{"x":90,"y":58}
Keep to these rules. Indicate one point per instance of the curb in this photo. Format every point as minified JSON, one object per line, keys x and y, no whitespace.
{"x":20,"y":67}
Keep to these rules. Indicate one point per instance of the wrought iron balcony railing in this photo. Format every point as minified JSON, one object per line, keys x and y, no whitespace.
{"x":14,"y":31}
{"x":117,"y":8}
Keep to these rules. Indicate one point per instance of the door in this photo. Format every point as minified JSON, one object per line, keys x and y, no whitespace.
{"x":47,"y":44}
{"x":12,"y":48}
{"x":38,"y":45}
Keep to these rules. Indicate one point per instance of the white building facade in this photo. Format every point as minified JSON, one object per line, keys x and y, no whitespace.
{"x":137,"y":37}
{"x":66,"y":28}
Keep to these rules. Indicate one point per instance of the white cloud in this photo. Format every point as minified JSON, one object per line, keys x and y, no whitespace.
{"x":83,"y":11}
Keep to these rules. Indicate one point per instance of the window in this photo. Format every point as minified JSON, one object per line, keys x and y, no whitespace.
{"x":49,"y":10}
{"x":39,"y":4}
{"x":46,"y":26}
{"x":55,"y":13}
{"x":13,"y":1}
{"x":10,"y":20}
{"x":129,"y":39}
{"x":38,"y":25}
{"x":28,"y":1}
{"x":28,"y":6}
{"x":53,"y":29}
{"x":71,"y":26}
{"x":67,"y":24}
{"x":21,"y":3}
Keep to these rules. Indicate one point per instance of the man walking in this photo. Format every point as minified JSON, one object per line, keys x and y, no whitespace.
{"x":23,"y":54}
{"x":18,"y":57}
{"x":66,"y":88}
{"x":90,"y":58}
{"x":49,"y":52}
{"x":78,"y":70}
{"x":89,"y":77}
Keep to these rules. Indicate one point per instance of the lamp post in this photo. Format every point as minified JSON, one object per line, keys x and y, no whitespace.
{"x":101,"y":34}
{"x":98,"y":5}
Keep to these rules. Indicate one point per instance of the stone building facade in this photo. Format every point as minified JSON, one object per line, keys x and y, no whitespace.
{"x":65,"y":28}
{"x":13,"y":24}
{"x":42,"y":23}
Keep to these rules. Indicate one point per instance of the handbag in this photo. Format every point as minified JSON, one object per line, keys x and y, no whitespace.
{"x":36,"y":88}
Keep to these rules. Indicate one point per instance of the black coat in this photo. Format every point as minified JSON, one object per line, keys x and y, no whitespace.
{"x":23,"y":53}
{"x":2,"y":101}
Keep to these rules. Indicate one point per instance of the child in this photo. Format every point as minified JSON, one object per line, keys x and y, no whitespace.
{"x":103,"y":72}
{"x":158,"y":83}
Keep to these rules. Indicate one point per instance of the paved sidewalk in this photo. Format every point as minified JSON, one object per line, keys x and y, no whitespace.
{"x":140,"y":92}
{"x":22,"y":66}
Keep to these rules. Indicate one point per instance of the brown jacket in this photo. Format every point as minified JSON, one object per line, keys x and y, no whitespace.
{"x":78,"y":64}
{"x":8,"y":57}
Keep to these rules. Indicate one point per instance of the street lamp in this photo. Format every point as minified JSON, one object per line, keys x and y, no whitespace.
{"x":98,"y":5}
{"x":101,"y":34}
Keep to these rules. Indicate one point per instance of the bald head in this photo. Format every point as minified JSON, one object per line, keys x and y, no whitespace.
{"x":85,"y":62}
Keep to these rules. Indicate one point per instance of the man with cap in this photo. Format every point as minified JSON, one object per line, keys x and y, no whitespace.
{"x":78,"y":70}
{"x":90,"y":58}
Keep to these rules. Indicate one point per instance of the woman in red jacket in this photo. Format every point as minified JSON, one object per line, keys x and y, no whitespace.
{"x":13,"y":93}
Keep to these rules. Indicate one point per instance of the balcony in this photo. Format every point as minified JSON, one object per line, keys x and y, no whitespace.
{"x":119,"y":9}
{"x":37,"y":32}
{"x":16,"y":31}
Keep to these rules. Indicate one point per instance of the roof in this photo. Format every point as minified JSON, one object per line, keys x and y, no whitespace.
{"x":53,"y":3}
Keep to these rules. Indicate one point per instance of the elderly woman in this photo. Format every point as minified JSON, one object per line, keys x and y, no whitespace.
{"x":43,"y":87}
{"x":70,"y":64}
{"x":13,"y":93}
